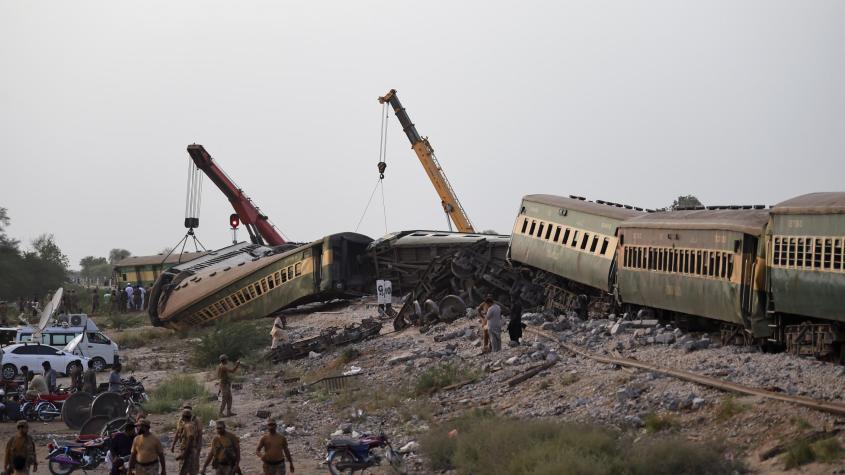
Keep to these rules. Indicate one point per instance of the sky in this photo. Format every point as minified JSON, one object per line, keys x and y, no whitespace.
{"x":637,"y":102}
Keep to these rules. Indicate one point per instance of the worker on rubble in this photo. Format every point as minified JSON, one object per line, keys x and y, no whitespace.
{"x":494,"y":324}
{"x":224,"y":375}
{"x":21,"y":445}
{"x":187,"y":438}
{"x":482,"y":319}
{"x":277,"y":332}
{"x":515,"y":324}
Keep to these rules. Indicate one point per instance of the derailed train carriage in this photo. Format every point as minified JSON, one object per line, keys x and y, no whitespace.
{"x":249,"y":280}
{"x":772,"y":276}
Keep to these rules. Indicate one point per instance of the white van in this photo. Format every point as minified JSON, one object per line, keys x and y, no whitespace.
{"x":85,"y":340}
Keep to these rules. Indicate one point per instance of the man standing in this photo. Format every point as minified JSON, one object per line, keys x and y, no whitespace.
{"x":224,"y":375}
{"x":515,"y":324}
{"x":494,"y":324}
{"x":49,"y":376}
{"x":121,"y":447}
{"x":147,"y":455}
{"x":76,"y":377}
{"x":107,"y":300}
{"x":482,"y":319}
{"x":196,"y":446}
{"x":136,"y":297}
{"x":37,"y":385}
{"x":89,"y":379}
{"x":21,"y":445}
{"x":186,"y":437}
{"x":275,"y":447}
{"x":277,"y":333}
{"x":25,"y":382}
{"x":115,"y":382}
{"x":129,"y":292}
{"x":225,"y":453}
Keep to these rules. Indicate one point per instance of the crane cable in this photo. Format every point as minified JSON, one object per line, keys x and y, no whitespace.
{"x":382,"y":166}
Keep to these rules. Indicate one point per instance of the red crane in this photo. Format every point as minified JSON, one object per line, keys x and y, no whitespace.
{"x":255,"y":222}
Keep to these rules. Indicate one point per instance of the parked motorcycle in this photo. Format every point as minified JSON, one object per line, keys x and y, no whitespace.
{"x":45,"y":407}
{"x":65,"y":457}
{"x":351,"y":455}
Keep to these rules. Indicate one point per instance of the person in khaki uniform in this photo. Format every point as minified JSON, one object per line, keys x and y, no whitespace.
{"x":21,"y":445}
{"x":275,"y":448}
{"x":482,"y":318}
{"x":225,"y":452}
{"x":147,"y":456}
{"x":224,"y":375}
{"x":187,"y":439}
{"x":197,"y":433}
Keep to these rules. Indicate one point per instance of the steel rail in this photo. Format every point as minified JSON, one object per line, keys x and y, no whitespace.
{"x":825,"y":406}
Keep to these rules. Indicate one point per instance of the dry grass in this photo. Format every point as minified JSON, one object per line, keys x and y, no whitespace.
{"x":136,"y":338}
{"x":729,"y":408}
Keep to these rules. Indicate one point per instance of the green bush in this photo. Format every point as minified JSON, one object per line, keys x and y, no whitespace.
{"x":729,"y":408}
{"x":173,"y":392}
{"x":438,"y":377}
{"x":234,"y":339}
{"x":141,"y":337}
{"x":802,"y":452}
{"x":494,"y":445}
{"x":654,"y":423}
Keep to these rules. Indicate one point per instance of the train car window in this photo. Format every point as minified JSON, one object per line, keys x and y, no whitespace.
{"x":595,"y":244}
{"x":817,"y":253}
{"x":837,"y":254}
{"x":271,"y":281}
{"x":604,"y":245}
{"x":724,"y":265}
{"x":297,"y":269}
{"x":791,"y":252}
{"x":540,"y":229}
{"x":718,"y":264}
{"x":808,"y":252}
{"x":557,"y":234}
{"x":626,"y":257}
{"x":730,"y":266}
{"x":697,"y":257}
{"x":828,"y":250}
{"x":524,"y":225}
{"x":531,"y":230}
{"x":585,"y":240}
{"x":565,"y":236}
{"x":575,"y":238}
{"x":290,"y":272}
{"x":778,"y":251}
{"x":799,"y":253}
{"x":675,"y":256}
{"x":548,"y":232}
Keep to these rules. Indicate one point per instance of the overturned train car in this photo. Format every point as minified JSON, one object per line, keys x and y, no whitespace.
{"x":248,"y":280}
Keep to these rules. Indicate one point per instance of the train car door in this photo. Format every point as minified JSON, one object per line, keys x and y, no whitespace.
{"x":317,"y":259}
{"x":749,"y":263}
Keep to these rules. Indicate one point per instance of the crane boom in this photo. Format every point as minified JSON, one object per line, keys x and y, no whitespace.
{"x":425,"y":152}
{"x":256,"y":223}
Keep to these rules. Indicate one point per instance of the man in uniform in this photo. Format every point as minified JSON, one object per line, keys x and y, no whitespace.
{"x":49,"y":376}
{"x":224,"y":375}
{"x":225,"y":452}
{"x":276,"y":451}
{"x":147,"y":456}
{"x":186,"y":436}
{"x":482,"y":318}
{"x":89,"y":379}
{"x":21,"y":445}
{"x":197,"y":433}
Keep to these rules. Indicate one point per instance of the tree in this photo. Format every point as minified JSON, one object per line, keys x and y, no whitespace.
{"x":116,"y":255}
{"x":45,"y":246}
{"x":5,"y":241}
{"x":688,"y":201}
{"x":95,"y":267}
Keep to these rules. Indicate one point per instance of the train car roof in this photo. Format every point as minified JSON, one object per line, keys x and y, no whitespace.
{"x":157,"y":259}
{"x":421,"y":237}
{"x":750,"y":221}
{"x":608,"y":210}
{"x":830,"y":202}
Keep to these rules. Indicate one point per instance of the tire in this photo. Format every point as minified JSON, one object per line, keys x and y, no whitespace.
{"x":58,"y":468}
{"x":70,"y":366}
{"x":42,"y":412}
{"x":99,"y":364}
{"x":339,"y":456}
{"x":9,"y":371}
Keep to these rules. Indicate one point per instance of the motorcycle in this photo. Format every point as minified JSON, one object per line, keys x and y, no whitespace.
{"x":45,"y":407}
{"x":65,"y":458}
{"x":350,"y":455}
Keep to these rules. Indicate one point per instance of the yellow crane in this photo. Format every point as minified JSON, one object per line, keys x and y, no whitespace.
{"x":425,"y":153}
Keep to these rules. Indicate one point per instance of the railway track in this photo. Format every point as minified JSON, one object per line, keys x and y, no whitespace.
{"x":819,"y":405}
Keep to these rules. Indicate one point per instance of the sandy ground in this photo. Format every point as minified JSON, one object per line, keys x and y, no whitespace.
{"x":575,"y":389}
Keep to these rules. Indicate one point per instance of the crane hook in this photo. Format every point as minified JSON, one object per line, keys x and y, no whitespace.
{"x":381,"y":167}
